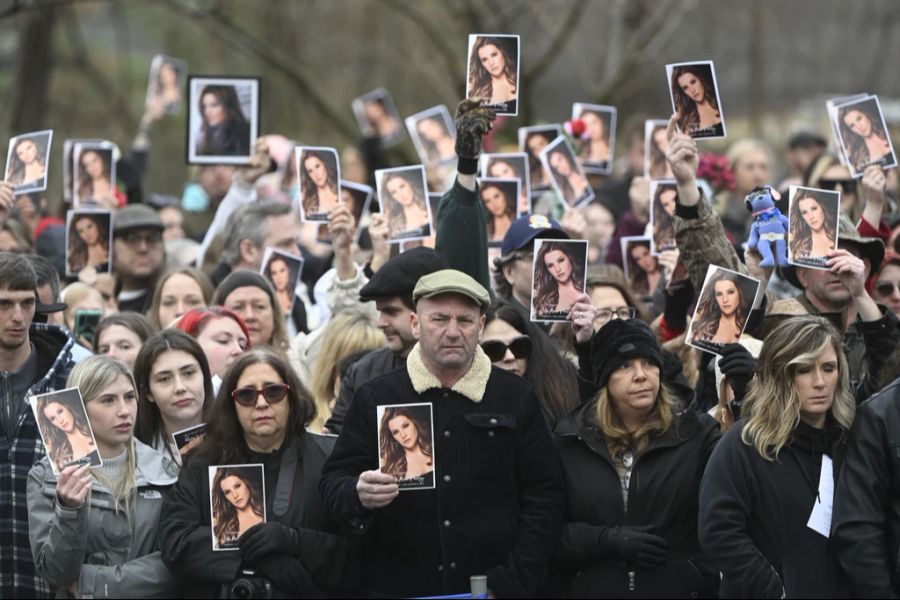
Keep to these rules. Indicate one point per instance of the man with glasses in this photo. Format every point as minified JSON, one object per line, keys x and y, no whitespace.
{"x":138,"y":256}
{"x":496,"y":507}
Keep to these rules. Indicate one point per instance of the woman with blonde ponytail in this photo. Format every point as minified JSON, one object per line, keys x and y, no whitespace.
{"x":765,"y":499}
{"x":108,"y":515}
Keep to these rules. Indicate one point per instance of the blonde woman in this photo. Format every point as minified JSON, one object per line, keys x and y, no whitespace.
{"x":107,"y":516}
{"x":632,"y":460}
{"x":764,"y":490}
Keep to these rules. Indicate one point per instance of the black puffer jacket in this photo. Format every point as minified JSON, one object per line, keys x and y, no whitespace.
{"x":663,"y":492}
{"x":754,"y":514}
{"x":866,"y":524}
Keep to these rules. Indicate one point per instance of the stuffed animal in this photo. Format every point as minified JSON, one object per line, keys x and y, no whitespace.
{"x":769,"y":228}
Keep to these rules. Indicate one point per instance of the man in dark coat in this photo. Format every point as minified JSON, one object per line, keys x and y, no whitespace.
{"x":866,"y":526}
{"x":496,"y":505}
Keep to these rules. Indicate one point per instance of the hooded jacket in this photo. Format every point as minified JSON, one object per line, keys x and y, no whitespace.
{"x":110,"y":554}
{"x":663,"y":488}
{"x":21,"y":449}
{"x":754,"y":514}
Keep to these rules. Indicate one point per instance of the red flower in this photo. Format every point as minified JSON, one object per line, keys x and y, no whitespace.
{"x":575,"y":127}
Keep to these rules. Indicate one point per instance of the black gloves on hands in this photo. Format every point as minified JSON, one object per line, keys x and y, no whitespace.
{"x":472,"y":122}
{"x":634,"y":545}
{"x":269,"y":538}
{"x":738,"y":365}
{"x":286,"y":574}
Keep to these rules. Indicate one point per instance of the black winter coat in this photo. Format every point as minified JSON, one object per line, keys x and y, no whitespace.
{"x":663,"y":492}
{"x":754,"y":514}
{"x":186,"y":540}
{"x":866,"y":525}
{"x":497,"y":506}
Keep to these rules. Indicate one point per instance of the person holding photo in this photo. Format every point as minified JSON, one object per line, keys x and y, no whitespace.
{"x":280,"y":275}
{"x":865,"y":139}
{"x":262,"y":411}
{"x":492,"y":72}
{"x":501,"y":210}
{"x":722,"y":312}
{"x":559,"y":279}
{"x":95,"y":185}
{"x":27,"y":165}
{"x":405,"y":206}
{"x":89,"y":242}
{"x":695,"y":100}
{"x":439,"y":145}
{"x":65,"y":428}
{"x":596,"y":151}
{"x":319,"y":180}
{"x":664,"y":201}
{"x":765,"y":485}
{"x":225,"y":130}
{"x":174,"y":386}
{"x":94,"y":532}
{"x":237,"y":503}
{"x":573,"y":184}
{"x":813,"y":226}
{"x":405,"y":443}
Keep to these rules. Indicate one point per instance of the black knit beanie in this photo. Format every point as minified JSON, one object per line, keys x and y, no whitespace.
{"x":242,"y":278}
{"x":619,"y":341}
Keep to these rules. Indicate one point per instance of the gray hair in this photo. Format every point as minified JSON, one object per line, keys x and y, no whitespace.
{"x":249,"y":223}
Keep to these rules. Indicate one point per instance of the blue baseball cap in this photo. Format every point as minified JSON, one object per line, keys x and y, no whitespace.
{"x":526,"y":229}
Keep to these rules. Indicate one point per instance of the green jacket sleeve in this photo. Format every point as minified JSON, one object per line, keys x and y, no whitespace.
{"x":461,"y":233}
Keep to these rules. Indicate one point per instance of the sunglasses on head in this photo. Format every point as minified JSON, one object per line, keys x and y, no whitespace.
{"x":273,"y":393}
{"x":847,"y":185}
{"x":496,"y":350}
{"x":886,"y":288}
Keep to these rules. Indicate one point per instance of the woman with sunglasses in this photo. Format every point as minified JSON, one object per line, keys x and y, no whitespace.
{"x":174,"y":385}
{"x":262,"y":411}
{"x":514,"y":344}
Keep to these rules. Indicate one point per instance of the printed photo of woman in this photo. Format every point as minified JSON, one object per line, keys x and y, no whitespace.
{"x":494,"y":71}
{"x":532,"y":140}
{"x":655,"y":143}
{"x":65,"y":429}
{"x":566,"y":174}
{"x":662,"y":214}
{"x":642,"y":269}
{"x":513,"y":165}
{"x":722,"y":309}
{"x":26,"y":161}
{"x":813,"y":216}
{"x":164,"y":88}
{"x":558,"y":278}
{"x":695,"y":98}
{"x":499,"y":197}
{"x":95,"y":176}
{"x":320,"y":177}
{"x":596,"y":154}
{"x":864,"y":136}
{"x":403,"y":196}
{"x":224,"y":119}
{"x":89,"y":239}
{"x":406,"y":444}
{"x":237,"y":501}
{"x":282,"y":271}
{"x":377,"y":116}
{"x":433,"y":135}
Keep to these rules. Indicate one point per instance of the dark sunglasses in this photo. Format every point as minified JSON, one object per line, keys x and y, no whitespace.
{"x":886,"y":288}
{"x":847,"y":185}
{"x":273,"y":393}
{"x":496,"y":350}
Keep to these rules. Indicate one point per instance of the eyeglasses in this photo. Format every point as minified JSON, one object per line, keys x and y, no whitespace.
{"x":496,"y":350}
{"x":847,"y":185}
{"x":886,"y":288}
{"x":273,"y":393}
{"x":605,"y":314}
{"x":133,"y":238}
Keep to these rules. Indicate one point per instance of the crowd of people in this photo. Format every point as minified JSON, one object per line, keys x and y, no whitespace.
{"x":257,"y":439}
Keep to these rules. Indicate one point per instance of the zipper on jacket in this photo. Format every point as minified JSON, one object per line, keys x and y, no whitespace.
{"x":631,"y":580}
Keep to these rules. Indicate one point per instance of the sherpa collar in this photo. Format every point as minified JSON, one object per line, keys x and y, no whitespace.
{"x":472,"y":385}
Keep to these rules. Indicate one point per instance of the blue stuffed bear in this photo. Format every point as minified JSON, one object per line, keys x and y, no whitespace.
{"x":769,"y":226}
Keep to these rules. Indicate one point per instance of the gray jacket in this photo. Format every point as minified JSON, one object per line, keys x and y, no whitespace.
{"x":108,"y":555}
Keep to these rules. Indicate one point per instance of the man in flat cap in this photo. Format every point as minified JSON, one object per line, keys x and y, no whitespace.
{"x":497,"y":501}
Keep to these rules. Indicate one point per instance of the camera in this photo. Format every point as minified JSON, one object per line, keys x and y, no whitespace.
{"x":249,"y":584}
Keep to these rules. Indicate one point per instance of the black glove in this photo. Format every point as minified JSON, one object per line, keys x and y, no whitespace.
{"x":286,"y":574}
{"x":634,"y":545}
{"x":738,"y":365}
{"x":472,"y":122}
{"x":269,"y":538}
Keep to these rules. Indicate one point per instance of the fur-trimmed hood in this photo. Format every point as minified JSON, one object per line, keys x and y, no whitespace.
{"x":472,"y":384}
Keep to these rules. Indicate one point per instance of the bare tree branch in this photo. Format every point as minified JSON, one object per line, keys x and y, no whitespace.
{"x":451,"y":57}
{"x":565,"y":33}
